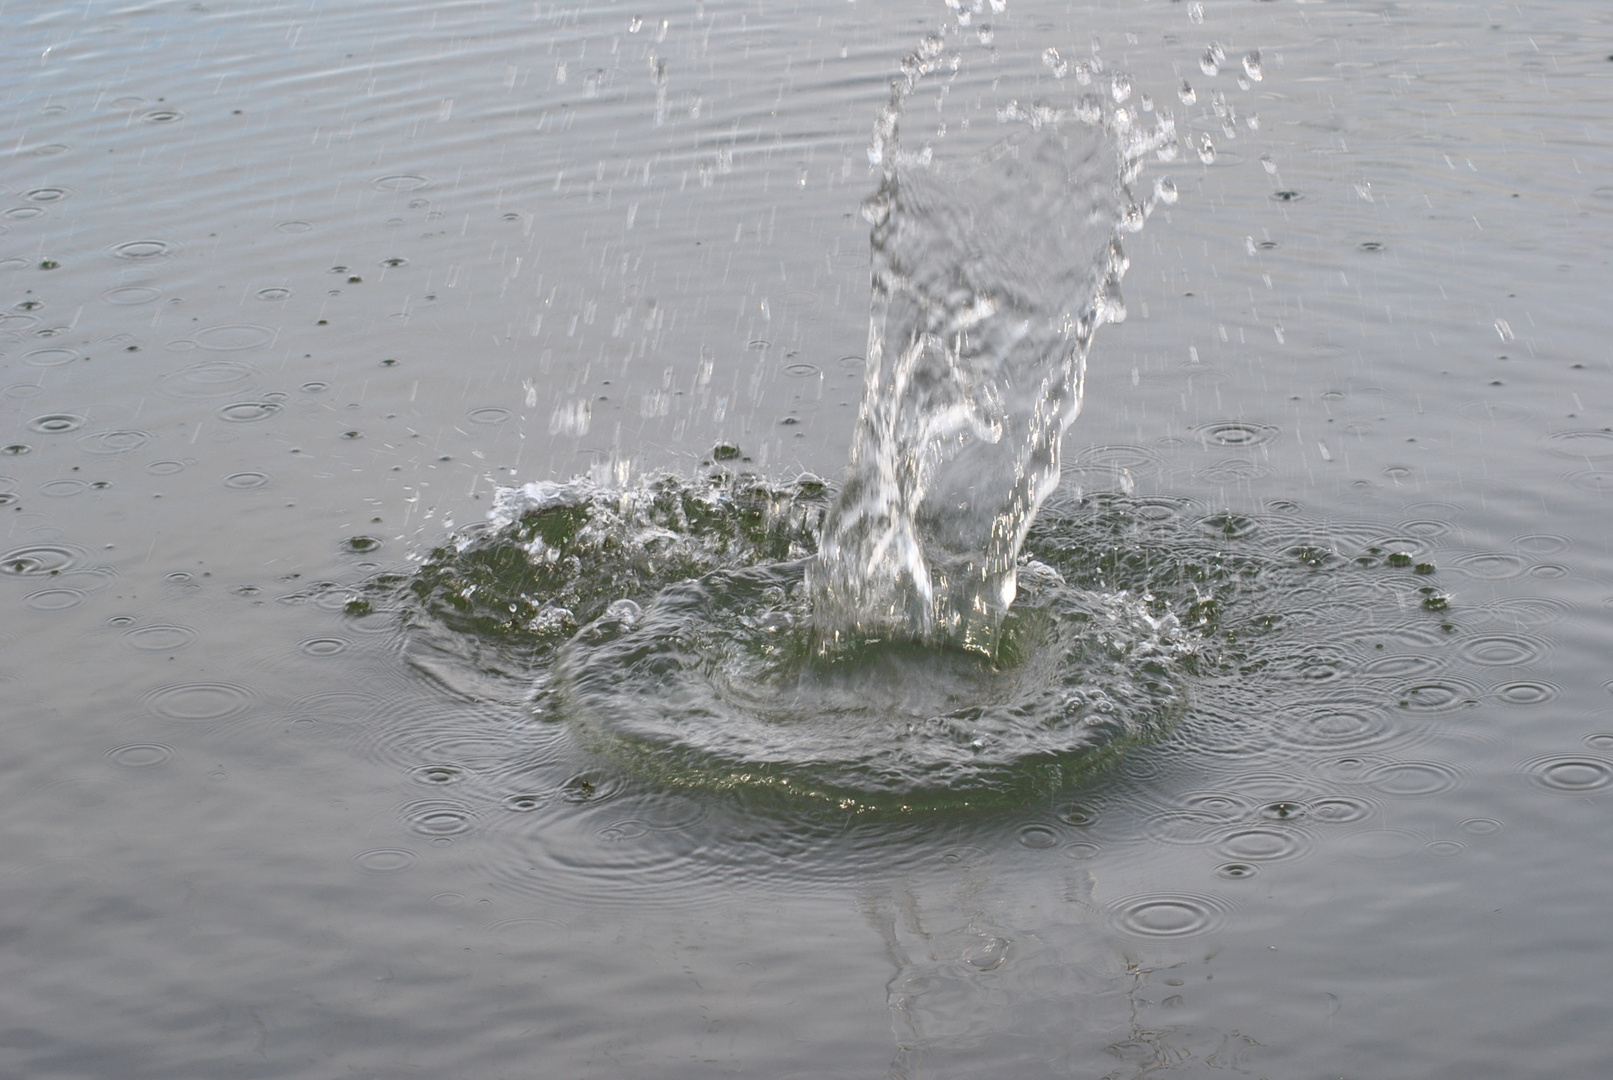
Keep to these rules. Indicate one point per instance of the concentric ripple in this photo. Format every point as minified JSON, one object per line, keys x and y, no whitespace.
{"x":1170,"y":915}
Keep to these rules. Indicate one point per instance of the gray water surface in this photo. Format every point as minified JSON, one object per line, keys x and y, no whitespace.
{"x":287,"y":292}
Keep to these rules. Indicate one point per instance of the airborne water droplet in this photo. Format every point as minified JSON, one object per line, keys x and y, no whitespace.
{"x":1251,"y":65}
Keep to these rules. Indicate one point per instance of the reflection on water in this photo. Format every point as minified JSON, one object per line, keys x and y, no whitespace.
{"x":288,"y":293}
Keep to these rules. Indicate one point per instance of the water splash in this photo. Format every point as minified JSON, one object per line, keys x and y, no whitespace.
{"x":997,"y":253}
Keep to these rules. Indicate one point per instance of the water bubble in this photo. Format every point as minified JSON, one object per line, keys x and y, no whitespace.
{"x":143,"y":249}
{"x":385,"y":860}
{"x":39,"y":560}
{"x":200,"y":701}
{"x":1569,"y":775}
{"x":246,"y":412}
{"x":1169,"y":915}
{"x":140,"y":755}
{"x":56,"y":422}
{"x":246,"y":480}
{"x":1251,"y":65}
{"x":159,"y":637}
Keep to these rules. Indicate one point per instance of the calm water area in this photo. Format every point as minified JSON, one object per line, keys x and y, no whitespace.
{"x":290,"y":291}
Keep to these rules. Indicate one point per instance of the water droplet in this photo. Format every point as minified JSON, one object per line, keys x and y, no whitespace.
{"x":1251,"y":65}
{"x":1195,"y":13}
{"x":1206,"y":150}
{"x":1186,"y":92}
{"x":1212,"y":59}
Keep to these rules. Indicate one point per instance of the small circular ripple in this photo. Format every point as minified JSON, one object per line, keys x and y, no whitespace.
{"x":1565,"y":775}
{"x":1444,"y":849}
{"x":54,"y":599}
{"x":1593,"y":481}
{"x":385,"y":860}
{"x":243,"y":481}
{"x":1539,"y":544}
{"x":1481,"y":826}
{"x":1237,"y":871}
{"x":1444,"y":694}
{"x":1601,"y":740}
{"x":39,"y":560}
{"x":1501,"y":650}
{"x":209,"y":378}
{"x":1527,"y":692}
{"x":435,"y":817}
{"x":1169,"y":915}
{"x":439,"y":775}
{"x":1339,"y":810}
{"x":1037,"y":837}
{"x":1340,"y":725}
{"x":1196,"y":818}
{"x":131,"y":295}
{"x":1413,"y":779}
{"x":143,"y":249}
{"x":323,"y":646}
{"x":1401,"y":666}
{"x":56,"y":423}
{"x":140,"y":755}
{"x":1263,"y":844}
{"x":50,"y":357}
{"x":246,"y":412}
{"x":200,"y":701}
{"x":1581,"y":445}
{"x":1235,"y":433}
{"x":399,"y":182}
{"x":234,"y":338}
{"x":62,"y":489}
{"x":488,"y":416}
{"x":113,"y":442}
{"x":159,"y":638}
{"x":1490,"y":565}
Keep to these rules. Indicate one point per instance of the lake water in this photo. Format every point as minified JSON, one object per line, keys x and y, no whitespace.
{"x":290,"y":293}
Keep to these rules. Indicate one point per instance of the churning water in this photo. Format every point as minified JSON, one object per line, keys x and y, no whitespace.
{"x":445,"y":632}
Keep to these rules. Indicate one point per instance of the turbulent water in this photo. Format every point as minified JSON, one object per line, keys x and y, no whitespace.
{"x":1005,"y":181}
{"x":890,"y":641}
